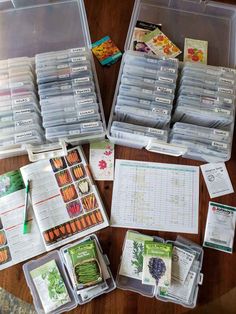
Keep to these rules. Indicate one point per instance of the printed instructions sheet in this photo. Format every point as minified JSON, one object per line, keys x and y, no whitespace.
{"x":155,"y":196}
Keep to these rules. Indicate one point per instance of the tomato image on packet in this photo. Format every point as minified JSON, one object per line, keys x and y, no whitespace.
{"x":195,"y":50}
{"x":106,"y":51}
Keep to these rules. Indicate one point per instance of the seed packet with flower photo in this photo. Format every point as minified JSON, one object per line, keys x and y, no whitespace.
{"x":161,"y":45}
{"x":195,"y":50}
{"x":102,"y":160}
{"x":106,"y":51}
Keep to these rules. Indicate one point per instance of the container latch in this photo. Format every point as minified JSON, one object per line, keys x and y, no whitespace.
{"x":166,"y":148}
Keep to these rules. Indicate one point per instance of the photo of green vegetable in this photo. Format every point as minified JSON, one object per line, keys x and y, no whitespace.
{"x":11,"y":182}
{"x":137,"y":260}
{"x":88,"y":272}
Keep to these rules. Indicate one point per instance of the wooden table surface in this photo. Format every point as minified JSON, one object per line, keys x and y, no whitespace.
{"x":111,"y":17}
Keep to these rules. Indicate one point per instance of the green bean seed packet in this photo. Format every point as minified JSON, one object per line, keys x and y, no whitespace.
{"x":85,"y":264}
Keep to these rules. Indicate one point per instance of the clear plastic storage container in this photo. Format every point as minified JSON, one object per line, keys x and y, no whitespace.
{"x":77,"y":297}
{"x":125,"y":281}
{"x":31,"y":27}
{"x":180,"y":19}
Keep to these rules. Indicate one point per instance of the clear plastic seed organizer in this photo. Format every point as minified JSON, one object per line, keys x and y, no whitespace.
{"x":77,"y":296}
{"x":130,"y":271}
{"x":47,"y":79}
{"x":192,"y":102}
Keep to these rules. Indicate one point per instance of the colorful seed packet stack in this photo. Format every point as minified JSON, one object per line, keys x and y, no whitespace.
{"x":106,"y":51}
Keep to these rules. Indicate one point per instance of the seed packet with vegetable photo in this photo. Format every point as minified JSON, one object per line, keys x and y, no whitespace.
{"x":50,"y":286}
{"x":157,"y":264}
{"x":132,"y":257}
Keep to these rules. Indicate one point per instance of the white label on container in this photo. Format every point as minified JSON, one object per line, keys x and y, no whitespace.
{"x":165,"y":79}
{"x":150,"y":81}
{"x":156,"y":131}
{"x":170,"y":70}
{"x":21,"y":136}
{"x":209,"y":92}
{"x":219,"y":145}
{"x":63,"y":76}
{"x":74,"y":132}
{"x":21,"y":111}
{"x":212,"y":72}
{"x":74,"y":50}
{"x":144,"y":102}
{"x":90,"y":125}
{"x":78,"y":59}
{"x":161,"y":111}
{"x":65,"y":87}
{"x":207,"y":101}
{"x":21,"y":100}
{"x":85,"y":101}
{"x":71,"y":120}
{"x":226,"y":80}
{"x":79,"y":69}
{"x":163,"y":100}
{"x":228,"y":100}
{"x":62,"y":66}
{"x":220,"y":110}
{"x":149,"y":71}
{"x":83,"y":91}
{"x":146,"y":91}
{"x":81,"y":79}
{"x":152,"y":60}
{"x":164,"y":90}
{"x":225,"y":90}
{"x":24,"y":122}
{"x":228,"y":70}
{"x":5,"y":119}
{"x":221,"y":132}
{"x":68,"y":109}
{"x":86,"y":112}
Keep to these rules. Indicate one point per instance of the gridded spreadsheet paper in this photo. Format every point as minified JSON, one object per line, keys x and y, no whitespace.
{"x":155,"y":196}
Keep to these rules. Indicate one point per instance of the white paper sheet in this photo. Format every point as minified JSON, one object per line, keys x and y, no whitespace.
{"x":155,"y":196}
{"x":217,"y":179}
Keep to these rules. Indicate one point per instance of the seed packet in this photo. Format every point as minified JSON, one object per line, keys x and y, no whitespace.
{"x":50,"y":286}
{"x":220,"y":227}
{"x":86,"y":270}
{"x":161,"y":45}
{"x":157,"y":264}
{"x":141,"y":29}
{"x":132,"y":257}
{"x":195,"y":50}
{"x":106,"y":51}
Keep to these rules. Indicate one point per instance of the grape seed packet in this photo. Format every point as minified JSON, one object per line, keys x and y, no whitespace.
{"x":195,"y":50}
{"x":157,"y":264}
{"x":161,"y":45}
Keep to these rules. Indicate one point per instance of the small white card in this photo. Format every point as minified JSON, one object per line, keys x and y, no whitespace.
{"x":217,"y":179}
{"x":181,"y":264}
{"x":101,"y":160}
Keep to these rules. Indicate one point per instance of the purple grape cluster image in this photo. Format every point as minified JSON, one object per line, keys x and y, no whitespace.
{"x":157,"y":268}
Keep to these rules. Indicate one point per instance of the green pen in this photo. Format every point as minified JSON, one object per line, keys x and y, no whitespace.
{"x":25,"y":222}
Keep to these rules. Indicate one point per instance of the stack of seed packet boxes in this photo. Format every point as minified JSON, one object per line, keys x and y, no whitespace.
{"x":62,"y":280}
{"x":67,"y":92}
{"x":20,"y":119}
{"x":205,"y":110}
{"x":166,"y":270}
{"x":144,"y":98}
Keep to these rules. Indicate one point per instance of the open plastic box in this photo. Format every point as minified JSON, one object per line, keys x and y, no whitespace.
{"x":58,"y":256}
{"x":29,"y":27}
{"x":135,"y":285}
{"x":206,"y":20}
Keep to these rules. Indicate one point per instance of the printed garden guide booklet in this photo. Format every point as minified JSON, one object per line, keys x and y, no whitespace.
{"x":65,"y":206}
